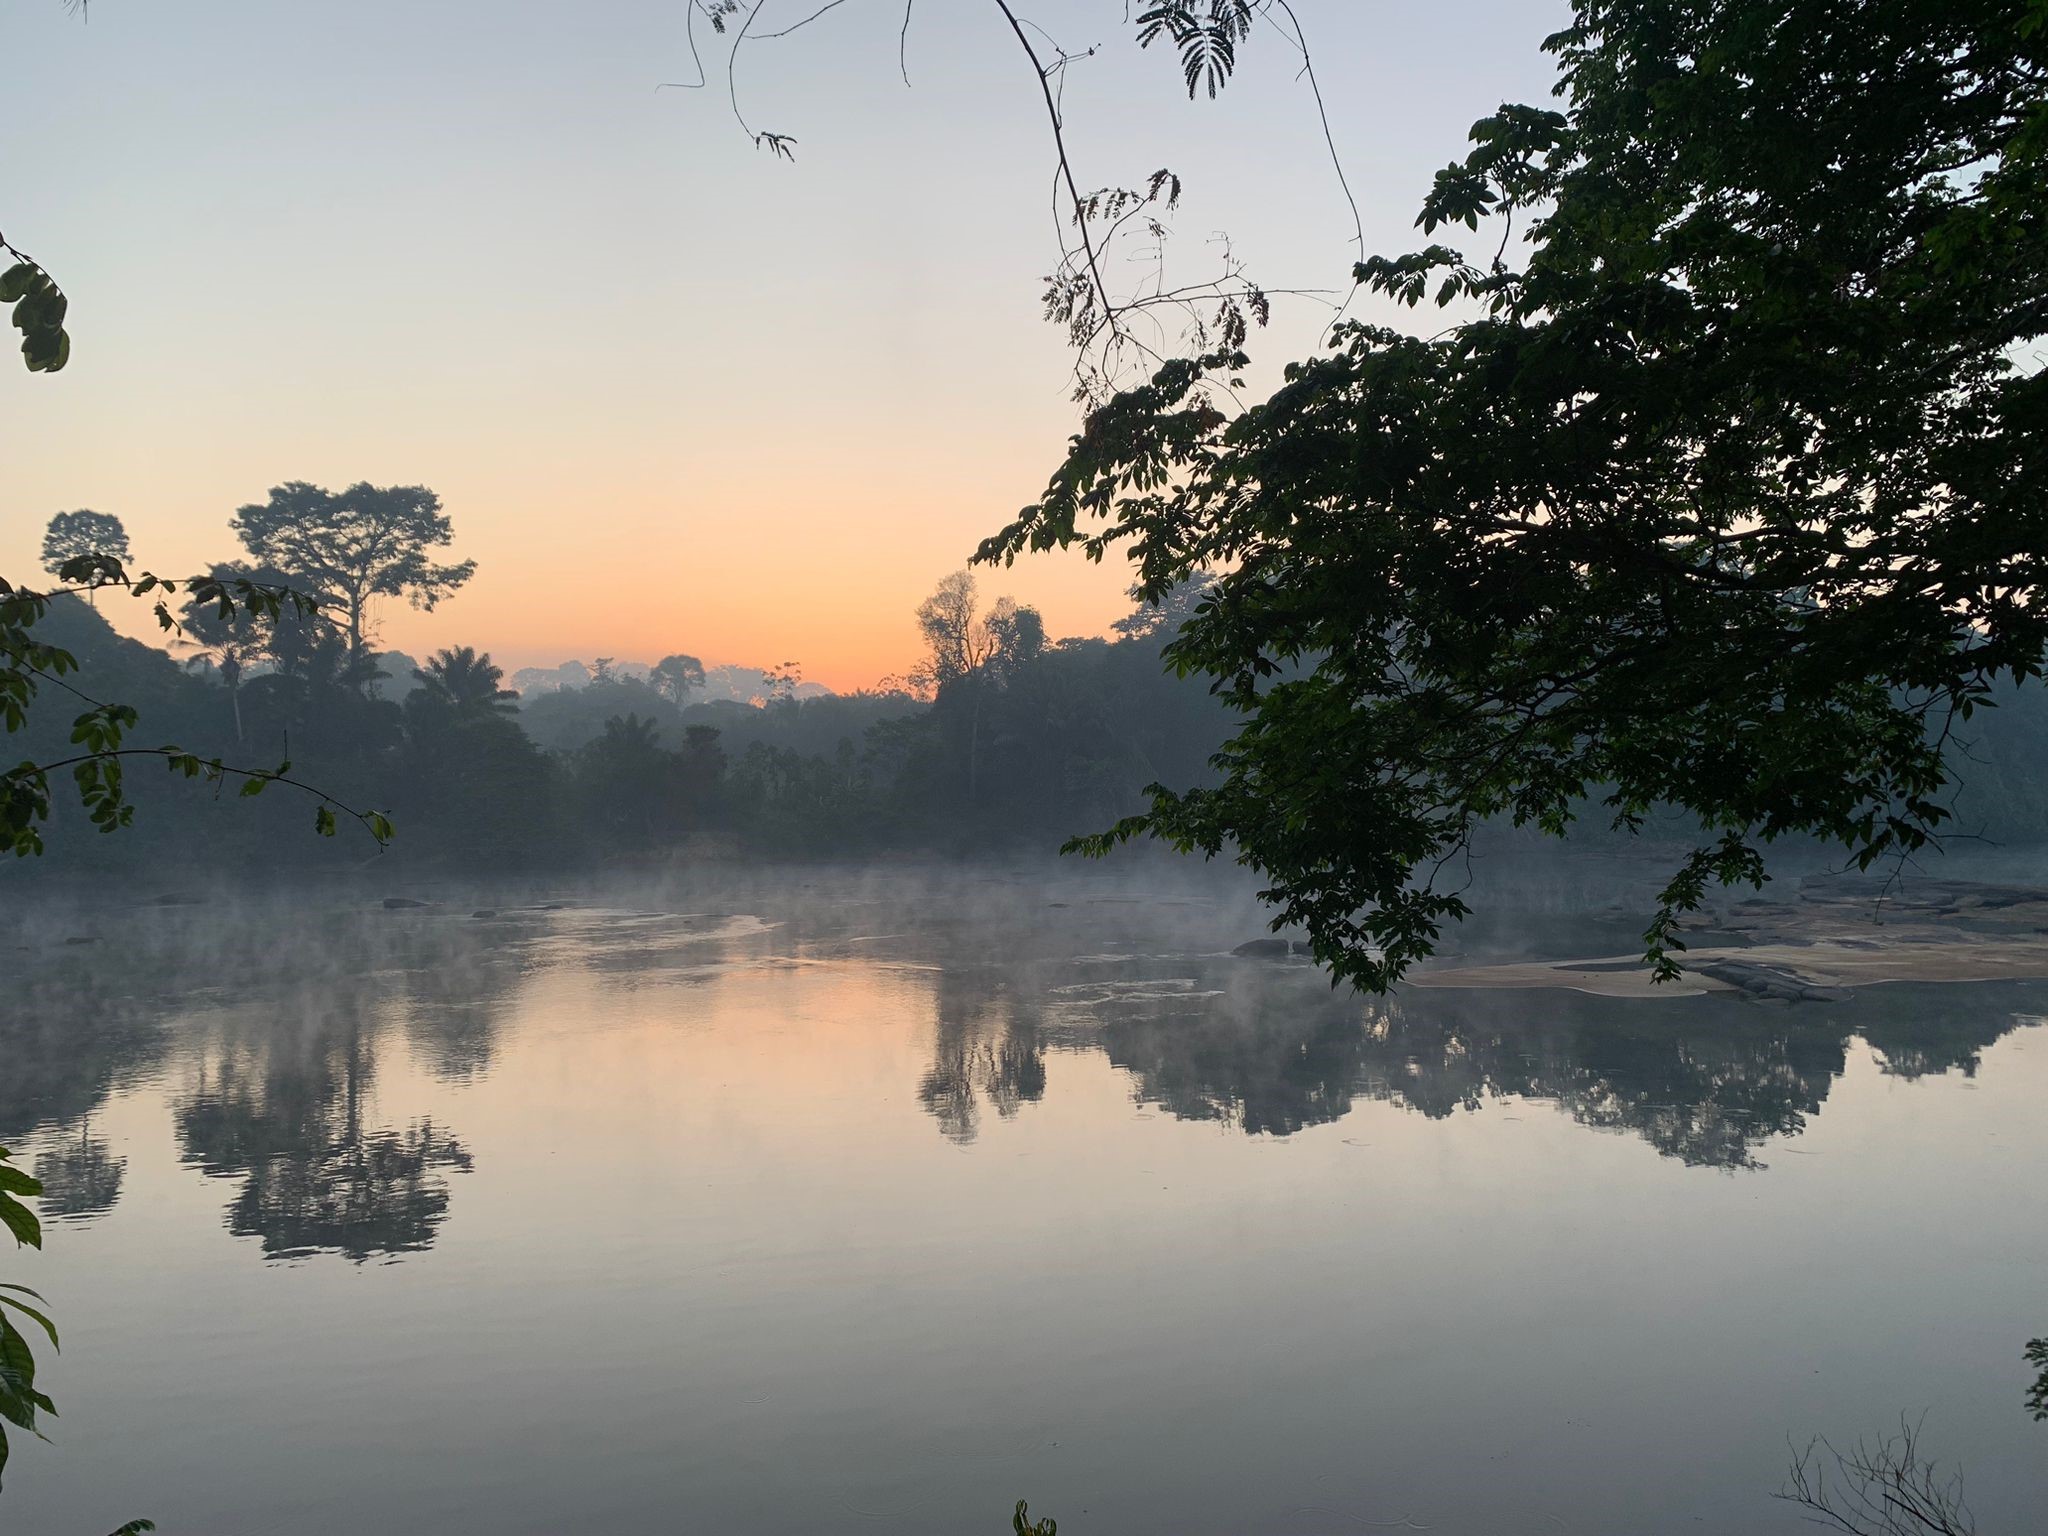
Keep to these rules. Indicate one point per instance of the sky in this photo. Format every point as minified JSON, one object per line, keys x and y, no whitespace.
{"x":676,"y":394}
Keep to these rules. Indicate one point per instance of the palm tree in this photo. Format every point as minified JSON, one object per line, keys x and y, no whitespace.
{"x":468,"y":683}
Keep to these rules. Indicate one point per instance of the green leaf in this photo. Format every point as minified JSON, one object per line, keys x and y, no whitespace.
{"x":41,"y":309}
{"x":46,"y":350}
{"x":15,"y":1182}
{"x":15,"y":280}
{"x":34,"y":1316}
{"x":21,"y":1221}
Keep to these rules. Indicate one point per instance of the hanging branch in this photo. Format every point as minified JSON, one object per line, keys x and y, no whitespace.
{"x":1089,"y":226}
{"x":27,"y":664}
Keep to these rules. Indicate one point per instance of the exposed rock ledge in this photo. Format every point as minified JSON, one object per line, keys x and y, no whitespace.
{"x":1832,"y":935}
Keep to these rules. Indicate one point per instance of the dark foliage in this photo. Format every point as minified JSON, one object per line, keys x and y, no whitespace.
{"x":1728,"y":496}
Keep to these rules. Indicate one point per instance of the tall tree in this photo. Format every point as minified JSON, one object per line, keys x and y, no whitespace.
{"x":675,"y":676}
{"x":1731,"y":496}
{"x":467,"y":682}
{"x":356,"y":545}
{"x":71,"y":535}
{"x":967,"y":650}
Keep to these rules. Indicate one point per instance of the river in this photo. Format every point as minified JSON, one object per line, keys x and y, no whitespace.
{"x":841,"y":1202}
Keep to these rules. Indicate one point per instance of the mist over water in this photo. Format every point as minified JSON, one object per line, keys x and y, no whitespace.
{"x":792,"y":1200}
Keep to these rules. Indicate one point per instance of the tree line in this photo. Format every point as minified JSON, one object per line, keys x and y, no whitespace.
{"x":999,"y":738}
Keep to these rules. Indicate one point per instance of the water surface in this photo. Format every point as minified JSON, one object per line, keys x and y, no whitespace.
{"x":876,"y":1203}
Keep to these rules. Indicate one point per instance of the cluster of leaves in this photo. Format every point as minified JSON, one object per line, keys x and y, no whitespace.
{"x":39,"y":309}
{"x":20,"y":1401}
{"x":84,"y":532}
{"x":1127,"y":225}
{"x":1206,"y":32}
{"x":2037,"y":1394}
{"x":1021,"y":1523}
{"x":1729,"y":499}
{"x":101,"y":732}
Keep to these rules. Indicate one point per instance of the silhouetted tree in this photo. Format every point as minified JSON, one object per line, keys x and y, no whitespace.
{"x":355,"y":545}
{"x":568,"y":719}
{"x":782,"y":681}
{"x":1726,"y":496}
{"x":969,"y":652}
{"x":1159,"y":620}
{"x":629,"y":783}
{"x":234,"y":639}
{"x":74,"y":534}
{"x":467,"y":682}
{"x":674,"y":677}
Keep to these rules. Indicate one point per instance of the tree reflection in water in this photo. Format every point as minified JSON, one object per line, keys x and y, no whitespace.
{"x":1272,"y":1050}
{"x":81,"y":1177}
{"x":987,"y":1046}
{"x":284,"y":1108}
{"x":281,"y":1098}
{"x":314,"y":1177}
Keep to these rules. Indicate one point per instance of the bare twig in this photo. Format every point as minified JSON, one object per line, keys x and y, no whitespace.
{"x":1880,"y":1488}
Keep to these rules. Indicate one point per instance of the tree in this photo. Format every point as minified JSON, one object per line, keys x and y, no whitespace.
{"x":1162,"y":617}
{"x":75,"y":534}
{"x":467,"y":683}
{"x":629,"y":780}
{"x":1727,"y":496}
{"x":674,"y":677}
{"x":355,"y":545}
{"x":968,"y":651}
{"x":781,"y":682}
{"x":961,"y":641}
{"x":233,"y":637}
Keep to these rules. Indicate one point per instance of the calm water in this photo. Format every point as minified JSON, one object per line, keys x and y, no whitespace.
{"x":846,"y":1205}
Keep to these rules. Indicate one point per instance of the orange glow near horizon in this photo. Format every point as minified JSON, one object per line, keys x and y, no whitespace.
{"x":675,"y":395}
{"x":826,"y":576}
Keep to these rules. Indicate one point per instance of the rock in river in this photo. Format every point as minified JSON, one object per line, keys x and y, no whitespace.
{"x":1263,"y":949}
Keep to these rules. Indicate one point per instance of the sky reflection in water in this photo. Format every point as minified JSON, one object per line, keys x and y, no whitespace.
{"x":885,"y":1203}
